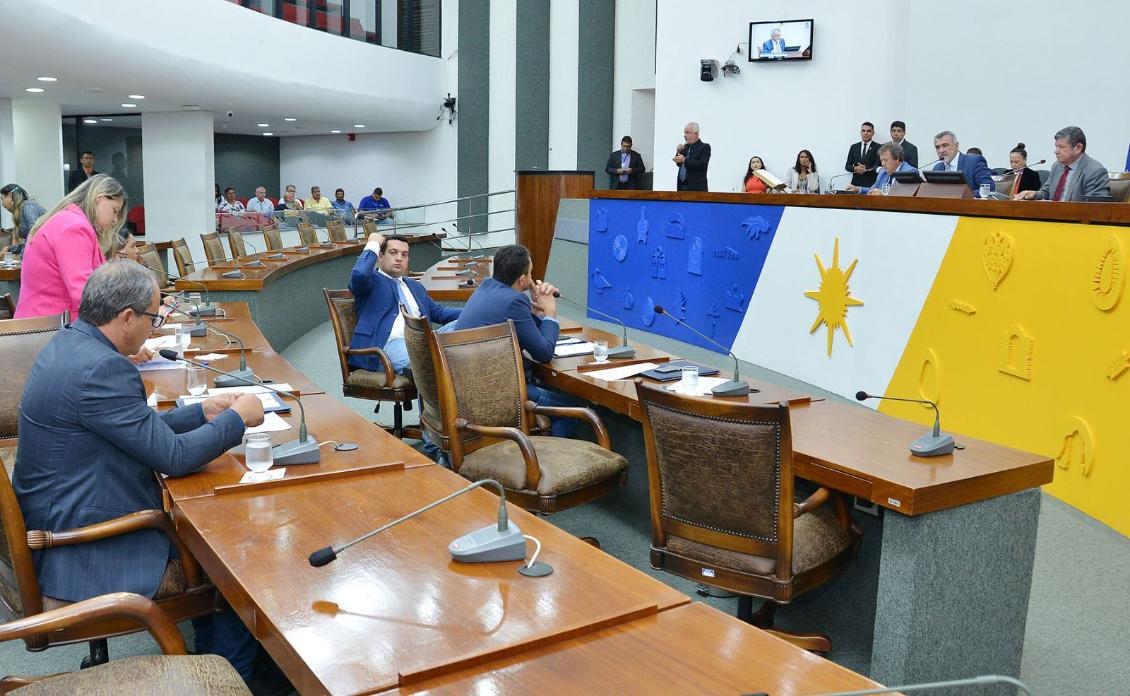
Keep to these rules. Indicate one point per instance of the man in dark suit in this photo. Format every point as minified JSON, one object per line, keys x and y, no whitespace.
{"x":84,"y":171}
{"x":1075,"y":173}
{"x":379,"y":288}
{"x":90,"y":449}
{"x":863,"y":157}
{"x":506,"y":295}
{"x":624,"y":166}
{"x":909,"y":150}
{"x":974,"y":167}
{"x":692,"y":157}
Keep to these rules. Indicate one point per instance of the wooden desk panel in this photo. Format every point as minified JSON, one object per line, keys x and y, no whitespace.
{"x":170,"y":384}
{"x":693,"y":649}
{"x":442,"y":284}
{"x":397,"y":604}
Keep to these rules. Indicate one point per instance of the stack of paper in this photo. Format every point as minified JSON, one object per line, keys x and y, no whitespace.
{"x":623,"y":372}
{"x":271,"y":423}
{"x":705,"y":384}
{"x":569,"y":350}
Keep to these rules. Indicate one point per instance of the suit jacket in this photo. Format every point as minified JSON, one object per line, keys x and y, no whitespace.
{"x":88,"y":450}
{"x":77,"y":177}
{"x":1089,"y":178}
{"x":56,"y":264}
{"x":1029,"y":180}
{"x":975,"y":169}
{"x":883,"y":177}
{"x":495,"y":303}
{"x":910,"y":153}
{"x":635,"y":163}
{"x":767,"y":47}
{"x":698,"y":159}
{"x":871,"y":161}
{"x":378,"y":304}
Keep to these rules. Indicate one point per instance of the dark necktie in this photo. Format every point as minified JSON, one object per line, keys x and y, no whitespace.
{"x":1058,"y":195}
{"x":683,"y":166}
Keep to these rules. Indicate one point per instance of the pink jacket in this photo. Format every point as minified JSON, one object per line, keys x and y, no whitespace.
{"x":56,"y":263}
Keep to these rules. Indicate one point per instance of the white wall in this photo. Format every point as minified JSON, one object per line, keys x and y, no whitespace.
{"x":635,"y":70}
{"x":7,"y":154}
{"x":893,"y":61}
{"x":38,"y":136}
{"x":564,"y":37}
{"x":179,"y":171}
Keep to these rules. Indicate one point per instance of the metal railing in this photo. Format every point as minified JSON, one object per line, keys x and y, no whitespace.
{"x":464,"y":221}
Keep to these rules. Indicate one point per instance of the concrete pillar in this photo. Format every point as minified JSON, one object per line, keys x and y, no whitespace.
{"x":179,"y":176}
{"x":37,"y":130}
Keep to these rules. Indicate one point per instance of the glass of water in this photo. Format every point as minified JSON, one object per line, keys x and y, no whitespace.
{"x":195,"y":380}
{"x":689,"y":383}
{"x":887,"y":189}
{"x":600,"y":351}
{"x":986,"y":189}
{"x":258,"y":452}
{"x":9,"y":259}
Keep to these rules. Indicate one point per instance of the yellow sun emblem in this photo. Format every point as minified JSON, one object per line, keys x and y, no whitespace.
{"x":833,"y":297}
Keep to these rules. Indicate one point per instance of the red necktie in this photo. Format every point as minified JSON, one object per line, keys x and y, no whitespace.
{"x":1059,"y":186}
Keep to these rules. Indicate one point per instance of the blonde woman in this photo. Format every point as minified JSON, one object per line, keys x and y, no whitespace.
{"x":67,"y":244}
{"x":25,"y":212}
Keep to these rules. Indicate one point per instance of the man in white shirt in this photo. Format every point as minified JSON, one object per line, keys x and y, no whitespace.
{"x":261,"y":204}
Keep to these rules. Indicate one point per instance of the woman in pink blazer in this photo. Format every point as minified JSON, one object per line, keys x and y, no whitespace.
{"x":66,"y":245}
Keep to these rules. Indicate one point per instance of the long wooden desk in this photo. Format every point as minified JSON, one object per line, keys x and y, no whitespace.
{"x":442,"y":282}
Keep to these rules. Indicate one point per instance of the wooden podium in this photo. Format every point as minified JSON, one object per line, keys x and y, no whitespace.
{"x":537,"y":196}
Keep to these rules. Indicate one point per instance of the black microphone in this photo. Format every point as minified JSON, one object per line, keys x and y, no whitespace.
{"x":304,"y":450}
{"x":622,"y":351}
{"x":254,"y":263}
{"x":198,"y":329}
{"x":735,"y":387}
{"x":244,"y":374}
{"x":929,"y":445}
{"x":470,"y":237}
{"x":923,"y":168}
{"x":204,"y":310}
{"x":831,"y":184}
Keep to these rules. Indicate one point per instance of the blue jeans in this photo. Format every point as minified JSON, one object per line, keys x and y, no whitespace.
{"x":559,"y":427}
{"x":225,"y":635}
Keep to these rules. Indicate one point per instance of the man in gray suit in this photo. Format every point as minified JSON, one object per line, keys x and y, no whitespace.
{"x":90,"y":450}
{"x":1075,"y":173}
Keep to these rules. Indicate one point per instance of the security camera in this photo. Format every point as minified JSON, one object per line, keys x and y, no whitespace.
{"x":231,"y":114}
{"x":730,"y":69}
{"x":708,"y":69}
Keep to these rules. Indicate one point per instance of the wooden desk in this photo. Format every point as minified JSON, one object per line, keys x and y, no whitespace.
{"x":442,"y":284}
{"x":686,"y":650}
{"x":397,"y":604}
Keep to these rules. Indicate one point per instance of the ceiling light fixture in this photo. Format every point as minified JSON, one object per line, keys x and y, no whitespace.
{"x":263,"y":125}
{"x":129,"y":106}
{"x":34,"y":90}
{"x":45,"y":78}
{"x":290,"y":118}
{"x":335,"y":132}
{"x":93,"y":121}
{"x":137,"y":96}
{"x":268,"y":134}
{"x":358,"y":125}
{"x":106,"y":120}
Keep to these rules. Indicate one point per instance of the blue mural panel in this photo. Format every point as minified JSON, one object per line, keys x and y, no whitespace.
{"x":700,"y":261}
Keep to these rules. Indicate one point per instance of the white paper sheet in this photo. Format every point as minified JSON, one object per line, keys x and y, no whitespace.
{"x":705,"y":384}
{"x":271,"y":423}
{"x":216,"y":391}
{"x":624,"y":372}
{"x":269,"y":475}
{"x":210,"y":357}
{"x":569,"y":350}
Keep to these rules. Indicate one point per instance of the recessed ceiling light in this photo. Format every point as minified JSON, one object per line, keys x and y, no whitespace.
{"x":137,"y":96}
{"x":47,"y":79}
{"x":268,"y":134}
{"x":263,"y":125}
{"x":129,"y":106}
{"x":335,"y":131}
{"x":358,"y":125}
{"x":34,"y":90}
{"x":106,"y":120}
{"x":290,"y":118}
{"x":90,"y":120}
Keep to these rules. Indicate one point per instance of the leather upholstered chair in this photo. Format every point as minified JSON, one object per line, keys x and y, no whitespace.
{"x":720,"y":478}
{"x":307,"y":235}
{"x":20,"y":343}
{"x":213,"y":248}
{"x":183,"y":257}
{"x":172,"y":672}
{"x":7,"y":306}
{"x":371,"y":227}
{"x":236,"y":243}
{"x":385,"y":385}
{"x":1120,"y":189}
{"x":487,"y":419}
{"x":147,"y":256}
{"x":336,"y":231}
{"x":272,"y":237}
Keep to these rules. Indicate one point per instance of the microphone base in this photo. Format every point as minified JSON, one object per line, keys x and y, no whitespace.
{"x":731,"y":388}
{"x":276,"y":256}
{"x":247,"y":375}
{"x":203,"y":311}
{"x":253,"y":264}
{"x":198,"y":331}
{"x":233,"y":274}
{"x":488,"y":545}
{"x":621,"y":352}
{"x":930,"y":446}
{"x":298,"y":452}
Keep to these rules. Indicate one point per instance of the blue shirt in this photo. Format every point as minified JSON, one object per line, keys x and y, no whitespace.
{"x":370,"y":203}
{"x":342,"y":205}
{"x":885,"y":178}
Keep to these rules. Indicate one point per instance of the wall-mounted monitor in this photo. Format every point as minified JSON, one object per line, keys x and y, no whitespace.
{"x":780,"y":41}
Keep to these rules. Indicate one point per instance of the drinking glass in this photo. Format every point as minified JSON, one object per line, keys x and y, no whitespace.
{"x":600,"y":351}
{"x":184,"y":339}
{"x":258,"y":452}
{"x":887,"y":189}
{"x":986,"y":189}
{"x":689,"y":383}
{"x":196,"y":380}
{"x":9,"y":259}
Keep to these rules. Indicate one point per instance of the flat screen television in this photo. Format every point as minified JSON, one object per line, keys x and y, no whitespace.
{"x":780,"y":41}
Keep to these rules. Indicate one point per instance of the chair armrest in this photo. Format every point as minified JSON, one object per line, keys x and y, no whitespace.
{"x":818,"y":498}
{"x":533,"y":470}
{"x":578,"y":412}
{"x":116,"y":605}
{"x":386,"y":364}
{"x":37,"y":540}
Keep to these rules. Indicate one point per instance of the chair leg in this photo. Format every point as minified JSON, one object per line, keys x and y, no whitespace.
{"x":99,"y":654}
{"x":397,"y":420}
{"x":591,"y":541}
{"x":763,"y":619}
{"x":812,"y":642}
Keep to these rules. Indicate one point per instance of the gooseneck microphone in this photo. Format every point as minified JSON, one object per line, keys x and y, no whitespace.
{"x":244,"y":375}
{"x":984,"y":680}
{"x":202,"y":310}
{"x":304,"y":450}
{"x":621,"y":351}
{"x":735,"y":387}
{"x":931,"y":444}
{"x":498,"y":542}
{"x":253,"y":263}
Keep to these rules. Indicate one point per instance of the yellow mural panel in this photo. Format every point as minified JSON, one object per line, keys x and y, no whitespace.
{"x":1055,"y":323}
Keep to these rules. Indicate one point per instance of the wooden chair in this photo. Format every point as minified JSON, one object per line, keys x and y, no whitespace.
{"x":236,"y":243}
{"x":336,"y":231}
{"x":183,"y":257}
{"x":213,"y":248}
{"x":173,"y":672}
{"x":20,"y":343}
{"x":720,"y":477}
{"x":271,"y":237}
{"x":307,"y":235}
{"x":371,"y":227}
{"x":486,"y":420}
{"x":7,"y":306}
{"x":147,"y":256}
{"x":1120,"y":189}
{"x":385,"y":385}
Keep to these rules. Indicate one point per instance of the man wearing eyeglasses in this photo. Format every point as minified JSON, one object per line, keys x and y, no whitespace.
{"x":90,"y":450}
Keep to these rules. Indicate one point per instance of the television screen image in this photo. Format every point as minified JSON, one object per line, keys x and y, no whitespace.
{"x":783,"y":40}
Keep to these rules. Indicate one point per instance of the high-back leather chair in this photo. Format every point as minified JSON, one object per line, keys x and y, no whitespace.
{"x":720,"y":481}
{"x":385,"y":385}
{"x":20,"y":343}
{"x":371,"y":227}
{"x":336,"y":231}
{"x":1120,"y":189}
{"x":183,"y":257}
{"x":7,"y":306}
{"x":487,"y":419}
{"x":147,"y":256}
{"x":271,"y":236}
{"x":213,"y":248}
{"x":236,"y":243}
{"x":307,"y":235}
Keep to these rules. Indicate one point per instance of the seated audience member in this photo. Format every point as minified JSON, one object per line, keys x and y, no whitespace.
{"x":1026,"y":179}
{"x":909,"y":149}
{"x":261,"y":204}
{"x":504,"y":296}
{"x":1075,"y":173}
{"x":317,"y":202}
{"x":974,"y":151}
{"x":84,"y":402}
{"x":378,"y":202}
{"x":863,"y":157}
{"x":802,"y":177}
{"x":124,"y":246}
{"x":973,"y":166}
{"x":231,"y":204}
{"x":339,"y":203}
{"x":890,"y":163}
{"x":379,"y":288}
{"x":25,"y":211}
{"x":288,"y":201}
{"x":219,"y":196}
{"x":751,"y":184}
{"x":624,"y":166}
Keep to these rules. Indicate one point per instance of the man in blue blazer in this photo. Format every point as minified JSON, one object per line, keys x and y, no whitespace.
{"x":90,"y":450}
{"x":775,"y":43}
{"x":504,"y":297}
{"x":890,"y":163}
{"x":379,"y":288}
{"x":974,"y":167}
